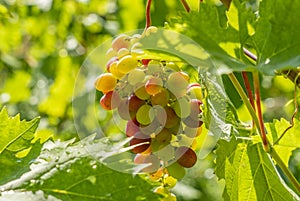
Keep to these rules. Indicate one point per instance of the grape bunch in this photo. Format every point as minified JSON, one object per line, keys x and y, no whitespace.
{"x":160,"y":104}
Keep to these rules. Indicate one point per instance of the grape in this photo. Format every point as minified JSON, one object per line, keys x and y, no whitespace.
{"x":171,"y":119}
{"x":177,"y":83}
{"x":110,"y":100}
{"x":143,"y":115}
{"x":134,"y":104}
{"x":156,"y":176}
{"x":164,"y":136}
{"x":175,"y":170}
{"x":161,"y":190}
{"x":113,"y":59}
{"x":114,"y":70}
{"x":145,"y":62}
{"x":132,"y":128}
{"x":190,"y":122}
{"x":126,"y":64}
{"x":194,"y":91}
{"x":152,"y":128}
{"x":152,"y":160}
{"x":164,"y":152}
{"x":105,"y":82}
{"x":160,"y":98}
{"x":154,"y":85}
{"x":186,"y":156}
{"x":176,"y":129}
{"x":139,"y":138}
{"x":172,"y":66}
{"x":154,"y":68}
{"x":182,"y":107}
{"x":110,"y":53}
{"x":122,"y":41}
{"x":135,"y":76}
{"x":170,"y":181}
{"x":190,"y":132}
{"x":195,"y":109}
{"x":140,"y":91}
{"x":123,"y":52}
{"x":170,"y":197}
{"x":123,"y":109}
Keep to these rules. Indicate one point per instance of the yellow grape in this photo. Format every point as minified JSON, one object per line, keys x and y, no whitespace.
{"x":114,"y":70}
{"x":105,"y":82}
{"x":126,"y":64}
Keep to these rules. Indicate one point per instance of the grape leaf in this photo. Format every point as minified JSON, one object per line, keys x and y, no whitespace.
{"x":84,"y":176}
{"x":249,"y":173}
{"x":289,"y":141}
{"x":276,"y":37}
{"x":16,"y":147}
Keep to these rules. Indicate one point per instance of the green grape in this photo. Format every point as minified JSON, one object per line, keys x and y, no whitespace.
{"x":143,"y":115}
{"x":164,"y":152}
{"x":194,"y":91}
{"x":161,"y":98}
{"x":164,"y":136}
{"x":190,"y":122}
{"x":126,"y":64}
{"x":110,"y":100}
{"x":190,"y":132}
{"x":177,"y":83}
{"x":175,"y":170}
{"x":135,"y":76}
{"x":152,"y":128}
{"x":105,"y":82}
{"x":140,"y":91}
{"x":186,"y":157}
{"x":182,"y":107}
{"x":154,"y":85}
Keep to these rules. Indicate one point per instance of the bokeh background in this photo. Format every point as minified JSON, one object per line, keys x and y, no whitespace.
{"x":43,"y":44}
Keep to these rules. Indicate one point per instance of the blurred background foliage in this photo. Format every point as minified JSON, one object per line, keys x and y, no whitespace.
{"x":43,"y":43}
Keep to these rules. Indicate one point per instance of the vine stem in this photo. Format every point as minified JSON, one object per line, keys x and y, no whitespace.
{"x":186,"y":6}
{"x":259,"y":113}
{"x":148,"y":13}
{"x":248,"y":90}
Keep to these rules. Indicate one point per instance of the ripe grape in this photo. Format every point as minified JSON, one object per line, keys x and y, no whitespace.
{"x":105,"y":82}
{"x":114,"y":70}
{"x":141,"y":139}
{"x":110,"y":100}
{"x":132,"y":128}
{"x":160,"y":98}
{"x":126,"y":64}
{"x":154,"y":85}
{"x":113,"y":59}
{"x":175,"y":170}
{"x":123,"y":52}
{"x":135,"y":76}
{"x":186,"y":157}
{"x":171,"y":119}
{"x":134,"y":103}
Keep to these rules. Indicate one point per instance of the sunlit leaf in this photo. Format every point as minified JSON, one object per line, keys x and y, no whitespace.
{"x":249,"y":173}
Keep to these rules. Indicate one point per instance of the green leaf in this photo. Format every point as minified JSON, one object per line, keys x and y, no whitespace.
{"x":220,"y":114}
{"x":288,"y":142}
{"x":276,"y":38}
{"x":84,"y":176}
{"x":16,"y":147}
{"x":249,"y":173}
